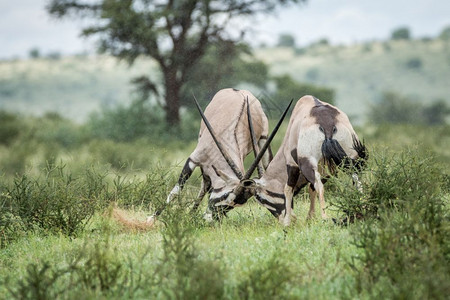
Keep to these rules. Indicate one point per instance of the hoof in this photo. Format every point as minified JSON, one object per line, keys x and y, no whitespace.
{"x":150,"y":220}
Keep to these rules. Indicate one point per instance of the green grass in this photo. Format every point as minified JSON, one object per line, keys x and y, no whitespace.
{"x":250,"y":238}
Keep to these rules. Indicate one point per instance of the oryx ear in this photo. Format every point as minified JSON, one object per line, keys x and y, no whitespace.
{"x":225,"y":177}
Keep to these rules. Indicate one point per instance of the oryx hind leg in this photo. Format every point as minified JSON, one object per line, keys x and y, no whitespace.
{"x":188,"y":168}
{"x":312,"y":204}
{"x":311,"y":173}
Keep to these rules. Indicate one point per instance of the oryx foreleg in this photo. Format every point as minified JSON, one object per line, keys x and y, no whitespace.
{"x":312,"y":204}
{"x":188,"y":168}
{"x":318,"y":186}
{"x":205,"y":187}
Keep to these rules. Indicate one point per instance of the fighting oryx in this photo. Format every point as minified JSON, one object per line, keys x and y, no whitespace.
{"x":318,"y":138}
{"x":223,"y":143}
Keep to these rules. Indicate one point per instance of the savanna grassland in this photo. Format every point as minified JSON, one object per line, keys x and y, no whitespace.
{"x":74,"y":196}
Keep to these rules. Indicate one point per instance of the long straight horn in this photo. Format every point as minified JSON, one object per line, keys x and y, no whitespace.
{"x":266,"y":145}
{"x":252,"y":136}
{"x":219,"y":144}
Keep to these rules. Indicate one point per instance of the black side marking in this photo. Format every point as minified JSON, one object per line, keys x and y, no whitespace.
{"x":277,"y":207}
{"x":294,"y":155}
{"x":236,"y":90}
{"x":317,"y":102}
{"x":185,"y":173}
{"x":293,"y":174}
{"x":275,"y":195}
{"x":307,"y":169}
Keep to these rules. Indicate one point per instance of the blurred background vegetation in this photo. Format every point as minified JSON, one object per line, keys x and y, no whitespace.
{"x":92,"y":106}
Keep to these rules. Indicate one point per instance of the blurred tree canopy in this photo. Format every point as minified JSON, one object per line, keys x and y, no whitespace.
{"x":397,"y":109}
{"x":288,"y":89}
{"x":445,"y":34}
{"x":176,"y":34}
{"x":286,"y":40}
{"x":401,"y":33}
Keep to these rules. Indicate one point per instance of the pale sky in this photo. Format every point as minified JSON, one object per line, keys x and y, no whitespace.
{"x":24,"y":24}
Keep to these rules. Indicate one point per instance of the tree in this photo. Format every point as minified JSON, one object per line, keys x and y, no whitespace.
{"x":286,"y":40}
{"x":445,"y":34}
{"x":395,"y":109}
{"x":176,"y":34}
{"x":401,"y":33}
{"x":34,"y":53}
{"x":288,"y":88}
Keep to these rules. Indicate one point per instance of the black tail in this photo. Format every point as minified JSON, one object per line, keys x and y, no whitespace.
{"x":363,"y":154}
{"x":335,"y":155}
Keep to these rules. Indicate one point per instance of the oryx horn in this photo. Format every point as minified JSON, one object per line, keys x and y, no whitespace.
{"x":219,"y":144}
{"x":266,"y":145}
{"x":252,"y":136}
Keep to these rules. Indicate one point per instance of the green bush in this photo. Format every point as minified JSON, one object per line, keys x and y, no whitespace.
{"x":396,"y":109}
{"x":414,"y":63}
{"x":401,"y":33}
{"x":59,"y":203}
{"x":390,"y":181}
{"x":404,"y":239}
{"x":405,"y":254}
{"x":56,"y":130}
{"x":288,"y":89}
{"x":267,"y":280}
{"x":138,"y":120}
{"x":183,"y":272}
{"x":286,"y":40}
{"x":10,"y":127}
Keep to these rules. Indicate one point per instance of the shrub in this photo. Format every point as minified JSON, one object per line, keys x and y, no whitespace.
{"x":267,"y":280}
{"x":414,"y":63}
{"x":10,"y":127}
{"x":405,"y":254}
{"x":57,"y":204}
{"x":56,"y":130}
{"x":138,"y":120}
{"x":183,"y":273}
{"x":38,"y":283}
{"x":391,"y":181}
{"x":286,"y":40}
{"x":404,"y":239}
{"x":445,"y":33}
{"x":394,"y":108}
{"x":288,"y":89}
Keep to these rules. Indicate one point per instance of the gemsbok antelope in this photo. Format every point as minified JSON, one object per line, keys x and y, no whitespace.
{"x":223,"y":143}
{"x":319,"y":135}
